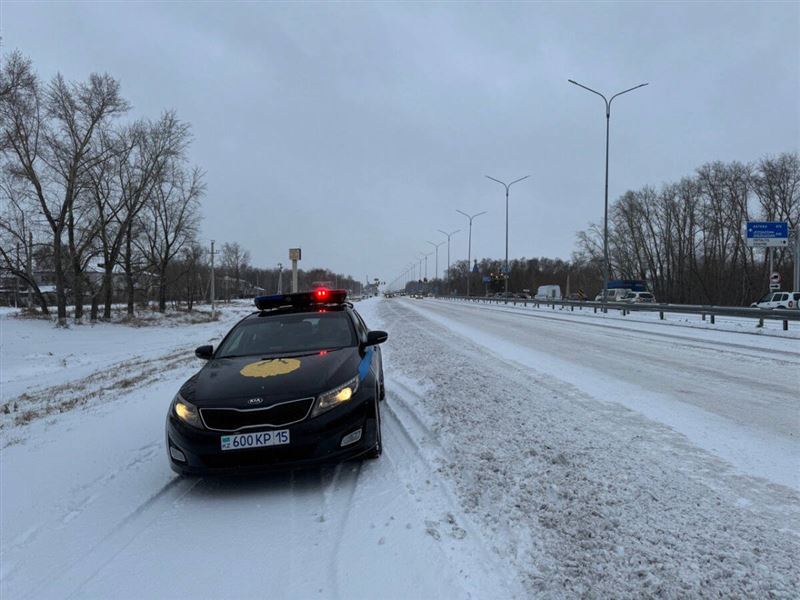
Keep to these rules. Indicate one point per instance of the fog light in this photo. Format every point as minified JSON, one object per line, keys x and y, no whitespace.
{"x":351,"y":438}
{"x":177,"y":454}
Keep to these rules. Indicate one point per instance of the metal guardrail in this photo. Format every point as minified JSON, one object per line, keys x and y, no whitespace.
{"x":626,"y":308}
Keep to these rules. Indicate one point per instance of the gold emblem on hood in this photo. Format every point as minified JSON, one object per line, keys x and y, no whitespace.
{"x":270,"y":367}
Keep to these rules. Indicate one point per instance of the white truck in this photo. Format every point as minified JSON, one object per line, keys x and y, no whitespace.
{"x":548,"y":292}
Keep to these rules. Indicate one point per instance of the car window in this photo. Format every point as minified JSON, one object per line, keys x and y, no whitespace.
{"x":289,"y":333}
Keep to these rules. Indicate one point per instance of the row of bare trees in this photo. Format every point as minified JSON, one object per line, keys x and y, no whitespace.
{"x":687,"y":239}
{"x":90,"y":200}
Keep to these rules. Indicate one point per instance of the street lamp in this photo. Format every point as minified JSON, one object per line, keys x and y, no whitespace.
{"x":449,"y":235}
{"x":607,"y":270}
{"x":425,"y":256}
{"x":437,"y":256}
{"x":507,"y":186}
{"x":469,"y":244}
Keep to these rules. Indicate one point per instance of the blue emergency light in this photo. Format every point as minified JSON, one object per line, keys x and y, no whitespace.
{"x":319,"y":296}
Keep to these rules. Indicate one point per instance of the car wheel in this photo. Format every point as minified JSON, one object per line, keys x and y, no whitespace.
{"x":377,"y":449}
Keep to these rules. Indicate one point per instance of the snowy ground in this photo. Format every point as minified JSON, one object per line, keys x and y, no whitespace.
{"x":91,"y":509}
{"x":524,"y":456}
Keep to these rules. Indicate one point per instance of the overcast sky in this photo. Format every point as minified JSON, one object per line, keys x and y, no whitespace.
{"x":356,"y":130}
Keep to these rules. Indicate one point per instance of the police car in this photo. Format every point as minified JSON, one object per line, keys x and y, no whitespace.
{"x":297,"y":383}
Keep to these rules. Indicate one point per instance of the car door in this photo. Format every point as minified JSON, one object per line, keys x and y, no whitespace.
{"x":361,"y":331}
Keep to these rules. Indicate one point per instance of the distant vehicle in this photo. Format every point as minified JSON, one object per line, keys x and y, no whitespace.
{"x":548,"y":292}
{"x":637,"y":297}
{"x":296,"y":383}
{"x":615,"y":295}
{"x":778,"y":300}
{"x":632,"y":285}
{"x":522,"y":295}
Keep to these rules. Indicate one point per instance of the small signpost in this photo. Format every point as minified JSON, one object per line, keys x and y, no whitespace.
{"x":294,"y":256}
{"x":775,"y":281}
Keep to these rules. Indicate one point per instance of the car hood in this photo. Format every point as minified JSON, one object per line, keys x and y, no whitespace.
{"x":232,"y":382}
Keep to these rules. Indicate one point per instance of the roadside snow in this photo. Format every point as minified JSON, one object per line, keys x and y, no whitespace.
{"x":582,"y":495}
{"x":46,"y":369}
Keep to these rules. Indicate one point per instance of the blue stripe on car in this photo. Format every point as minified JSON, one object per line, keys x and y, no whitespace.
{"x":363,"y":366}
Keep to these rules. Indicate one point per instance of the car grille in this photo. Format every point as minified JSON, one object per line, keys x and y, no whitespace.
{"x":279,"y":415}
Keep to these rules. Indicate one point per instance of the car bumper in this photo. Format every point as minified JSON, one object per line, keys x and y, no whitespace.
{"x":312,"y":442}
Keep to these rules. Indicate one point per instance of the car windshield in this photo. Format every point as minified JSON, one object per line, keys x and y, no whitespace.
{"x":277,"y":334}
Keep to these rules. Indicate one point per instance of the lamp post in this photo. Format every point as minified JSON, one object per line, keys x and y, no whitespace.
{"x":469,"y":244}
{"x":449,"y":235}
{"x":437,"y":256}
{"x":507,"y":186}
{"x":607,"y":269}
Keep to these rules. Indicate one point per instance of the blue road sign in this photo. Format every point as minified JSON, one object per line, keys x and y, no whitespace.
{"x":486,"y":279}
{"x":767,"y":229}
{"x":767,"y":233}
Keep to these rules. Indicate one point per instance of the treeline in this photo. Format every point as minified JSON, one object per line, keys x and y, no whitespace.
{"x":524,"y":274}
{"x":98,"y":206}
{"x":84,"y":186}
{"x":687,"y":239}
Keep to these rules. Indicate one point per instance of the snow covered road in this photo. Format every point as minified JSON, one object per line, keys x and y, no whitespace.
{"x":584,"y":495}
{"x":90,"y":508}
{"x":524,"y":457}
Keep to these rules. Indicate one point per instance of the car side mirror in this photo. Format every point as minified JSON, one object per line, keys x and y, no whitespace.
{"x":204,"y":352}
{"x":376,"y":337}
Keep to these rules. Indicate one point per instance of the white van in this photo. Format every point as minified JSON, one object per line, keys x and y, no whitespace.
{"x":548,"y":292}
{"x":615,"y":295}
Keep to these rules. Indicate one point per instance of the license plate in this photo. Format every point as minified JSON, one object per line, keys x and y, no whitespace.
{"x":254,"y":440}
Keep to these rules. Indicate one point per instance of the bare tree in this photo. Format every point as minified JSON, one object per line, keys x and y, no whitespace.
{"x":235,"y":260}
{"x":170,"y":221}
{"x":121,"y":187}
{"x":47,"y":135}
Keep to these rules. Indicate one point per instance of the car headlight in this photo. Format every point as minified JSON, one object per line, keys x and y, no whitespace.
{"x":336,"y":396}
{"x":186,"y":412}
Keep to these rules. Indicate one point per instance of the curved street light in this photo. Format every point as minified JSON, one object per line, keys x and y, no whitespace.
{"x":437,"y":256}
{"x":607,"y":269}
{"x":449,"y":235}
{"x":507,"y":186}
{"x":469,"y":244}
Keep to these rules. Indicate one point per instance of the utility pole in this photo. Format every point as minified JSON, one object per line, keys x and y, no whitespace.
{"x":469,"y":244}
{"x":213,"y":291}
{"x":30,"y":268}
{"x":280,"y":278}
{"x":16,"y":280}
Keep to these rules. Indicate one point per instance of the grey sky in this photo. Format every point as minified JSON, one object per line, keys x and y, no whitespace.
{"x":356,"y":130}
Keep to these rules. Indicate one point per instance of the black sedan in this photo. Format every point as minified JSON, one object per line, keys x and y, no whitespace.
{"x":295,"y":384}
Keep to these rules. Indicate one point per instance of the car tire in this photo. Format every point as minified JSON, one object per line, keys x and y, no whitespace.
{"x":377,"y":449}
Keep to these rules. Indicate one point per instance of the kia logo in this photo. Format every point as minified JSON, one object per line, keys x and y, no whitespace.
{"x":255,"y":401}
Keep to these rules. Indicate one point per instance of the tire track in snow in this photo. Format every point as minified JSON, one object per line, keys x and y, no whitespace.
{"x":70,"y":579}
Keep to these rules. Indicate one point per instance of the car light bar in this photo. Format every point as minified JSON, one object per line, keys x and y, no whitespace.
{"x":317,"y":296}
